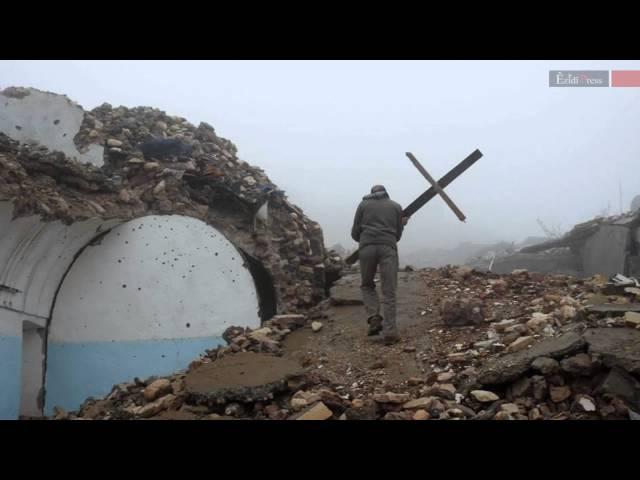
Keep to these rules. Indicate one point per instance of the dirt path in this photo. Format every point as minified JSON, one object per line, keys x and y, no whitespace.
{"x":345,"y":355}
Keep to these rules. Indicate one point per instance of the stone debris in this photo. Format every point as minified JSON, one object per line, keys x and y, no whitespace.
{"x":632,"y":319}
{"x":155,"y":163}
{"x":421,"y":415}
{"x":582,"y":370}
{"x":319,"y":411}
{"x":157,"y":389}
{"x":461,"y":312}
{"x":484,"y":396}
{"x":391,"y":397}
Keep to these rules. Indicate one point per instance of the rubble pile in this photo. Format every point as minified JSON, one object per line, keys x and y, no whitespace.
{"x":530,"y":358}
{"x":155,"y":163}
{"x":258,"y":383}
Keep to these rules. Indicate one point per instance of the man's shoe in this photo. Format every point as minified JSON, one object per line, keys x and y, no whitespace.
{"x":375,"y":325}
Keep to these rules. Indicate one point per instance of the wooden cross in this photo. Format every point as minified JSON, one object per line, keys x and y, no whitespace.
{"x":436,"y":188}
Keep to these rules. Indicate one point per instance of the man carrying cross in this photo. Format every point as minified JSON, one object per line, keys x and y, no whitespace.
{"x":377,"y":227}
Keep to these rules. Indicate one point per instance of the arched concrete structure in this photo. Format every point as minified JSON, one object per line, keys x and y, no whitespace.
{"x":146,"y":299}
{"x":62,"y":205}
{"x":100,"y":332}
{"x":34,"y":256}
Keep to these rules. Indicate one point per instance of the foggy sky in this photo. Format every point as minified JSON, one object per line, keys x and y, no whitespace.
{"x":326,"y":131}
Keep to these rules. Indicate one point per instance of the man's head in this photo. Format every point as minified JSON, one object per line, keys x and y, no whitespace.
{"x":378,"y":188}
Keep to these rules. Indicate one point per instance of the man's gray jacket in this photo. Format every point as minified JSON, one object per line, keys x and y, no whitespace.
{"x":378,"y":221}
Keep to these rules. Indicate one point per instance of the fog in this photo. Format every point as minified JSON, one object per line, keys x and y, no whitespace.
{"x":326,"y":131}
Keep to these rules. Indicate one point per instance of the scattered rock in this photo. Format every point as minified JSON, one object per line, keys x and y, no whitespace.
{"x":501,"y":326}
{"x":520,"y":344}
{"x":632,"y":319}
{"x":391,"y":397}
{"x":157,"y":389}
{"x":316,"y":326}
{"x":616,"y":347}
{"x":484,"y":396}
{"x":419,"y":403}
{"x":579,"y":364}
{"x":456,"y":312}
{"x":510,"y":408}
{"x":442,"y":390}
{"x":539,"y":387}
{"x":446,"y":376}
{"x":363,"y":410}
{"x":538,"y":322}
{"x":319,"y":411}
{"x":503,"y":416}
{"x":398,"y":416}
{"x":455,"y":413}
{"x":290,"y":321}
{"x":234,"y":410}
{"x":521,"y":388}
{"x":623,"y":385}
{"x":585,"y":403}
{"x":567,"y":312}
{"x":421,"y":415}
{"x":153,"y":408}
{"x":534,"y":414}
{"x":512,"y":366}
{"x":559,"y":393}
{"x":545,"y":365}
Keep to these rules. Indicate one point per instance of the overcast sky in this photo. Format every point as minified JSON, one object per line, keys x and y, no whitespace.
{"x":326,"y":131}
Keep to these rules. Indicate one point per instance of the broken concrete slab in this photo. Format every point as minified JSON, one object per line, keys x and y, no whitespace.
{"x":614,"y":308}
{"x":511,"y":366}
{"x":243,"y":377}
{"x":623,"y":385}
{"x":617,"y":347}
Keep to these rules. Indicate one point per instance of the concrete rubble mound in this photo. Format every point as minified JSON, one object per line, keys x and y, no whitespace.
{"x":540,"y":361}
{"x":156,"y":163}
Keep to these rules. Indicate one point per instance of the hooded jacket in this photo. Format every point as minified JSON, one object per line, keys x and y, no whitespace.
{"x":378,"y":221}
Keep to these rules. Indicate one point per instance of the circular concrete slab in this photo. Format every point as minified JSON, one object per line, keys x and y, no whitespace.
{"x":245,"y":376}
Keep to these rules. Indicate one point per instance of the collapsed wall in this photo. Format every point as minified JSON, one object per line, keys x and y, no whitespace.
{"x":604,"y":246}
{"x":89,"y":289}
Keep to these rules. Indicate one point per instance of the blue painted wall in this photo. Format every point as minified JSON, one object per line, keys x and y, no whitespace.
{"x":77,"y":371}
{"x":10,"y":377}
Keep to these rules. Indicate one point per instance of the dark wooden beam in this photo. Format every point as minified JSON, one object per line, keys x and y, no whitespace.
{"x":422,"y":200}
{"x":435,"y":185}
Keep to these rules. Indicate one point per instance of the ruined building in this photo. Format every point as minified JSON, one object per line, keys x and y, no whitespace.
{"x":129,"y":241}
{"x":604,"y":245}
